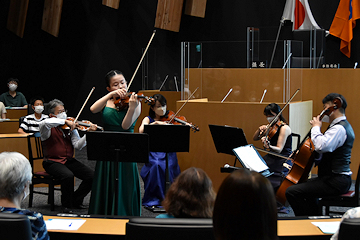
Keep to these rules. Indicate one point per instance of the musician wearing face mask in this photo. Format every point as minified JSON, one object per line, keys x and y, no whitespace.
{"x":334,"y":174}
{"x":153,"y":173}
{"x":30,"y":123}
{"x":58,"y":146}
{"x":280,"y":143}
{"x":12,"y":98}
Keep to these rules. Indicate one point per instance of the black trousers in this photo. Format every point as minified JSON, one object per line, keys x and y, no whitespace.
{"x":66,"y":173}
{"x":304,"y":197}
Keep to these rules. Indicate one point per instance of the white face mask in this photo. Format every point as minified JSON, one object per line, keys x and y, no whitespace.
{"x":39,"y":109}
{"x":160,"y":111}
{"x":12,"y":87}
{"x":62,"y":115}
{"x":270,"y":119}
{"x":325,"y":119}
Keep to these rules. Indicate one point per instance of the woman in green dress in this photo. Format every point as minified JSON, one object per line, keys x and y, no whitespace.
{"x":102,"y":199}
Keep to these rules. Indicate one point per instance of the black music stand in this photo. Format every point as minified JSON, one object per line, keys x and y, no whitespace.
{"x":168,"y":138}
{"x":117,"y":147}
{"x":226,"y":138}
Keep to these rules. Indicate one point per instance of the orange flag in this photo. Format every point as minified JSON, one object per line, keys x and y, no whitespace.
{"x":344,"y":22}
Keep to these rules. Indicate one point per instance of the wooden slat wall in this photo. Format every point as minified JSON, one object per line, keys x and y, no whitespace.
{"x":17,"y":16}
{"x":111,"y":3}
{"x":195,"y":8}
{"x":52,"y":16}
{"x":168,"y":14}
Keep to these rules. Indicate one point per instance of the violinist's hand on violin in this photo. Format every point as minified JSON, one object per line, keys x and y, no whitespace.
{"x":121,"y":92}
{"x":262,"y":128}
{"x":93,"y":127}
{"x":316,"y":122}
{"x":133,"y":101}
{"x":70,"y":124}
{"x":265,"y":142}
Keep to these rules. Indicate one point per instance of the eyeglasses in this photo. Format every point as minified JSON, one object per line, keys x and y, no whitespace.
{"x":61,"y":111}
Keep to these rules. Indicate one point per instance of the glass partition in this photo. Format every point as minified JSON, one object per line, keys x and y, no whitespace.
{"x":238,"y":68}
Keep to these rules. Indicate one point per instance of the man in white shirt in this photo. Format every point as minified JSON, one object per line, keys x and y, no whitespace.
{"x":334,"y":175}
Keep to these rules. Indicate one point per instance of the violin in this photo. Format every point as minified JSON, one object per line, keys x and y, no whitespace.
{"x":178,"y":120}
{"x":84,"y":125}
{"x":303,"y":158}
{"x":123,"y":103}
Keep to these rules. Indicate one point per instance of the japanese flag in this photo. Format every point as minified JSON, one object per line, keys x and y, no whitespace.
{"x":299,"y":12}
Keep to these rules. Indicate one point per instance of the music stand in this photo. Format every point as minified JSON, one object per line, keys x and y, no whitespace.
{"x":168,"y":138}
{"x":117,"y":147}
{"x":226,"y":138}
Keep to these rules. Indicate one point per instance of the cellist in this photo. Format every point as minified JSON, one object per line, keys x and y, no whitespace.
{"x":334,"y":175}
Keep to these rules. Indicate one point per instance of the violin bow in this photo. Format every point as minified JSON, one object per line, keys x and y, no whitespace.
{"x":183,"y":105}
{"x":137,"y":68}
{"x":92,"y":90}
{"x":277,"y":116}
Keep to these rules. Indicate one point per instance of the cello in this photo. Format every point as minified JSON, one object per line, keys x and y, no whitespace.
{"x":303,"y":158}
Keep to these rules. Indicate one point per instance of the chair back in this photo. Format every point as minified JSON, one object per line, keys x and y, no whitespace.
{"x":35,"y":149}
{"x":15,"y":226}
{"x":169,"y":228}
{"x":349,"y":229}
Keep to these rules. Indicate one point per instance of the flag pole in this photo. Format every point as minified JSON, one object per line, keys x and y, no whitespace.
{"x":276,"y":41}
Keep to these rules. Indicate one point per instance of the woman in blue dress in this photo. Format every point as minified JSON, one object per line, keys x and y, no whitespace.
{"x":153,"y":173}
{"x":102,"y":199}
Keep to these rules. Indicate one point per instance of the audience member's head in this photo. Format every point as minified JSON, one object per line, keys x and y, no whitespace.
{"x":190,"y":195}
{"x":13,"y":83}
{"x":15,"y":176}
{"x":245,"y":208}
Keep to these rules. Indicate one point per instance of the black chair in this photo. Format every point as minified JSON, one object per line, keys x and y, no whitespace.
{"x":169,"y":228}
{"x":15,"y":226}
{"x":349,"y":199}
{"x":349,"y":229}
{"x":40,"y":177}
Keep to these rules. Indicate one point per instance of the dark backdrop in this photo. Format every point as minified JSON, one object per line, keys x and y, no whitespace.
{"x":94,"y":39}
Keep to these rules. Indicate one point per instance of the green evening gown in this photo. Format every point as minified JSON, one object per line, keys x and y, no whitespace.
{"x":102,"y":200}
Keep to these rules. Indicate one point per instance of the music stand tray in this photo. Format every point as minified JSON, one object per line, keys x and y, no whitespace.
{"x":226,"y":138}
{"x":117,"y":147}
{"x":167,"y":138}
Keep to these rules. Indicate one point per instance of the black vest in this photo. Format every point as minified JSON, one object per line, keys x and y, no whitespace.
{"x":339,"y":160}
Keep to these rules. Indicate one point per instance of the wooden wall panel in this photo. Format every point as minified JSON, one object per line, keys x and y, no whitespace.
{"x":315,"y":85}
{"x":248,"y":116}
{"x":52,"y":16}
{"x":168,"y":14}
{"x":111,"y":3}
{"x":195,"y":8}
{"x":17,"y":16}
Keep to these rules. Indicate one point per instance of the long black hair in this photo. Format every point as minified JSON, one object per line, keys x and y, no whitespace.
{"x":273,"y":107}
{"x":162,"y":101}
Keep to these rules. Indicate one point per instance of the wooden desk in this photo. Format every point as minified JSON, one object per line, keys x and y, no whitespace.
{"x":93,"y":228}
{"x":100,"y":228}
{"x":17,"y":142}
{"x":10,"y":126}
{"x":16,"y":112}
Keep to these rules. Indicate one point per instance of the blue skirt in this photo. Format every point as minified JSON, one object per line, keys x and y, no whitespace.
{"x":153,"y":175}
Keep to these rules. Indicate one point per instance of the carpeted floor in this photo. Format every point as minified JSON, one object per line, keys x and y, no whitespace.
{"x":40,"y":201}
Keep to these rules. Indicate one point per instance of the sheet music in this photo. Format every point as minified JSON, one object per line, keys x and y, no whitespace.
{"x":251,"y":159}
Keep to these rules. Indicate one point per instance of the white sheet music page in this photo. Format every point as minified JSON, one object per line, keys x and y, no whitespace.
{"x":250,"y":158}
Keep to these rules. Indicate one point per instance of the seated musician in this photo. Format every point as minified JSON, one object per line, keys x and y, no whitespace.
{"x":30,"y":123}
{"x":334,"y":175}
{"x":59,"y":161}
{"x":279,"y":143}
{"x":153,"y":173}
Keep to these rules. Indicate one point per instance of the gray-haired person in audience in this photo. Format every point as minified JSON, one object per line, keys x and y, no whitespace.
{"x":15,"y":178}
